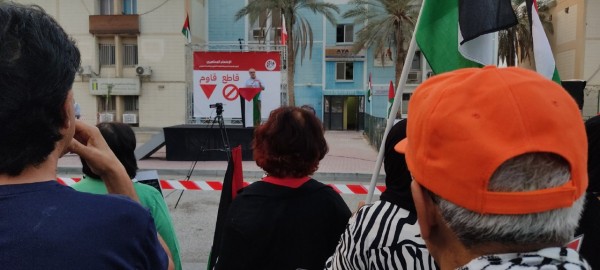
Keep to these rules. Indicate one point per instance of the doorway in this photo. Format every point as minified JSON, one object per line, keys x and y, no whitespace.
{"x":343,"y":112}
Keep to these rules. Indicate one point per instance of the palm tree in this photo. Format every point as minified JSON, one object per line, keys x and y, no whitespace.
{"x":300,"y":35}
{"x":387,"y":23}
{"x":517,"y":41}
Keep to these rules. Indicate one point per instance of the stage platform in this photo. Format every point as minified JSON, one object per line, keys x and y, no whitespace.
{"x":204,"y":143}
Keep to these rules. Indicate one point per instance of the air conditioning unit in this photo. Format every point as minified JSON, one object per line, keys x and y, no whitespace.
{"x":143,"y":71}
{"x":414,"y":77}
{"x":130,"y":118}
{"x":258,"y":33}
{"x":85,"y":71}
{"x":107,"y":117}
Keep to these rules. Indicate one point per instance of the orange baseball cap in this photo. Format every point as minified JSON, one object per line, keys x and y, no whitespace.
{"x":464,"y":124}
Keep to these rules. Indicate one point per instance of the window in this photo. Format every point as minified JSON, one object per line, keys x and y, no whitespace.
{"x":386,"y":61}
{"x":405,"y":99}
{"x":130,"y":55}
{"x":416,"y":62}
{"x":109,"y":106}
{"x":106,"y":7}
{"x":131,"y":103}
{"x":129,"y":6}
{"x":344,"y":71}
{"x":344,"y":33}
{"x":107,"y":54}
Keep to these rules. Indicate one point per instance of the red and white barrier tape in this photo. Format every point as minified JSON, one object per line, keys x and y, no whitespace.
{"x":217,"y":185}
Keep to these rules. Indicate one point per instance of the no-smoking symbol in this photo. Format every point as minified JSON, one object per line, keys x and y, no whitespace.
{"x":230,"y":92}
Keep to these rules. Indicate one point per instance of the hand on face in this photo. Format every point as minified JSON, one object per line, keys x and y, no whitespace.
{"x":91,"y":146}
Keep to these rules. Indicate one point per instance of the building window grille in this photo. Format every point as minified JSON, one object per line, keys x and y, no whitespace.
{"x":345,"y":33}
{"x":131,"y":103}
{"x":344,"y":71}
{"x":107,"y":54}
{"x":109,"y":106}
{"x":130,"y":55}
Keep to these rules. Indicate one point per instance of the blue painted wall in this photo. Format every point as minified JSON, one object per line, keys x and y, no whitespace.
{"x":310,"y":87}
{"x":221,"y":20}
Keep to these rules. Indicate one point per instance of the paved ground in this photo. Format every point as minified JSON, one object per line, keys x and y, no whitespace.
{"x":350,"y":160}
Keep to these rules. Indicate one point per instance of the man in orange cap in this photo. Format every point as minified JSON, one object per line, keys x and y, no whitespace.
{"x":498,"y":160}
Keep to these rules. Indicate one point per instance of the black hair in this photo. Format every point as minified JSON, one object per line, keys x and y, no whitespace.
{"x":397,"y":176}
{"x":592,"y":128}
{"x":38,"y":62}
{"x":121,"y":140}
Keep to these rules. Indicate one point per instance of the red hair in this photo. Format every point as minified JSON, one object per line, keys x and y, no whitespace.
{"x":290,"y":144}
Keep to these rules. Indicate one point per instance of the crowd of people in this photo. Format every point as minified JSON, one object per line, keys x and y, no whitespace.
{"x":494,"y":170}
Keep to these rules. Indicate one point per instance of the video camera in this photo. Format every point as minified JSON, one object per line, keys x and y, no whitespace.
{"x":218,"y":106}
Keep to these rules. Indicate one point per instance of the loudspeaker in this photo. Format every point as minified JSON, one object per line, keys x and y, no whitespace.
{"x":575,"y":88}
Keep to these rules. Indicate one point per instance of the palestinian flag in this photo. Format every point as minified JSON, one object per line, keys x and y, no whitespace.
{"x":284,"y":33}
{"x":186,"y":29}
{"x":455,"y":34}
{"x":369,"y":89}
{"x":391,"y":95}
{"x":232,"y":183}
{"x":542,"y":53}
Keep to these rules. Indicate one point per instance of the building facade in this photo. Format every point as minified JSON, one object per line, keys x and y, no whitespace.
{"x":132,"y":57}
{"x":134,"y":66}
{"x":576,"y":46}
{"x":332,"y":79}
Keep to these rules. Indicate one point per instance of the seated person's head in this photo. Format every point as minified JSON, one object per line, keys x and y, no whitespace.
{"x":38,"y":62}
{"x":290,"y":144}
{"x":309,"y":108}
{"x":121,"y":140}
{"x":500,"y":155}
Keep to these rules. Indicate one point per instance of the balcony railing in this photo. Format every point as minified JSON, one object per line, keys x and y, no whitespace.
{"x":114,"y":24}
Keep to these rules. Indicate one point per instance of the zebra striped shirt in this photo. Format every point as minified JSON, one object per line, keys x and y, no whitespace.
{"x":381,"y":236}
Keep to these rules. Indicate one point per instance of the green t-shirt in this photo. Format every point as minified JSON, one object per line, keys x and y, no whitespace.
{"x":149,"y":198}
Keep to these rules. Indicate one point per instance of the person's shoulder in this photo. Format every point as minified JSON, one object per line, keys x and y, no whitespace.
{"x":148,"y":195}
{"x":320,"y":187}
{"x":146,"y":189}
{"x":108,"y":200}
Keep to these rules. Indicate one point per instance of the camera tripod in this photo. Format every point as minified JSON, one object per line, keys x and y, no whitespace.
{"x":224,"y":138}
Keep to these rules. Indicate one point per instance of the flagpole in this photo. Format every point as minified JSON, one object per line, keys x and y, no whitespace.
{"x":395,"y":106}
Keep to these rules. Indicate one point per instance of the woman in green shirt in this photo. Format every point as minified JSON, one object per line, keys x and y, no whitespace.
{"x":121,"y":140}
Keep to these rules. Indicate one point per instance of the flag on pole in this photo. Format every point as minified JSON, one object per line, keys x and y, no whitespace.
{"x":232,"y":183}
{"x":391,"y":95}
{"x":284,"y":34}
{"x":454,"y":34}
{"x":186,"y":29}
{"x":369,"y":89}
{"x":542,"y":53}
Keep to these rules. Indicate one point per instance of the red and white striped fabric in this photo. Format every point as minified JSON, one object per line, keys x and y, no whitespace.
{"x":217,"y":185}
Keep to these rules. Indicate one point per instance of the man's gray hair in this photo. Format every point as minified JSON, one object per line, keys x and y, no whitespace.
{"x":527,"y":172}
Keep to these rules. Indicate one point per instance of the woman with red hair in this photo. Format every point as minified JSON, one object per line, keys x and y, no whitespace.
{"x":288,"y":220}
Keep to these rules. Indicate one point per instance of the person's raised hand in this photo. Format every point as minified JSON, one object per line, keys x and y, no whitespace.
{"x":89,"y":144}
